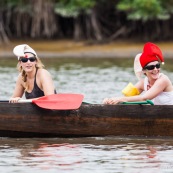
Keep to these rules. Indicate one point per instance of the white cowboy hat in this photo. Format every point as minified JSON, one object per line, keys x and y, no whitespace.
{"x":20,"y":50}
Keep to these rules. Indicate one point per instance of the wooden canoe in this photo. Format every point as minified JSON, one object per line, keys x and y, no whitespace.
{"x":28,"y":120}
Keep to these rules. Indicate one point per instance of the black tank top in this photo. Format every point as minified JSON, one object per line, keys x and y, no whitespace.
{"x":36,"y":92}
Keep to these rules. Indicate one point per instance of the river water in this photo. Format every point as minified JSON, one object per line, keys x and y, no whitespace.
{"x":96,"y":79}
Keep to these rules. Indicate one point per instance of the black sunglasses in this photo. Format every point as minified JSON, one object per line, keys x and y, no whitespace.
{"x":32,"y":59}
{"x":152,"y":67}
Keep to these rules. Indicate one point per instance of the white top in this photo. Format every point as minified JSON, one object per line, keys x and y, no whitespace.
{"x":164,"y":98}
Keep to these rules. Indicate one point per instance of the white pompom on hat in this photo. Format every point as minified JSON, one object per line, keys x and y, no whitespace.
{"x":20,"y":50}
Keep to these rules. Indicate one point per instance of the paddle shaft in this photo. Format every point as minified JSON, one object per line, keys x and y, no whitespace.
{"x":4,"y":101}
{"x":20,"y":101}
{"x":134,"y":103}
{"x":139,"y":102}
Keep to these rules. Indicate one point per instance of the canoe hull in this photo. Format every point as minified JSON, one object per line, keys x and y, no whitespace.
{"x":28,"y":120}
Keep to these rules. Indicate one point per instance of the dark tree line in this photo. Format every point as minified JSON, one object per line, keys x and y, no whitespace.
{"x":96,"y":20}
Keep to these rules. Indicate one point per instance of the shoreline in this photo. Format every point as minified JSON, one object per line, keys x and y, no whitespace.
{"x":71,"y":49}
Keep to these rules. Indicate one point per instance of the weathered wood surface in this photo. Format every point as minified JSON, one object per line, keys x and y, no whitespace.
{"x":28,"y":120}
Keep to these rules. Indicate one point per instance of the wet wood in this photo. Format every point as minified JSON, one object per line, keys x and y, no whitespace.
{"x":28,"y":120}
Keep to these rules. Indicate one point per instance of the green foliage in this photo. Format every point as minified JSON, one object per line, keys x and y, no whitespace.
{"x":144,"y":9}
{"x":168,"y":4}
{"x":18,"y":5}
{"x":72,"y":8}
{"x":12,"y":3}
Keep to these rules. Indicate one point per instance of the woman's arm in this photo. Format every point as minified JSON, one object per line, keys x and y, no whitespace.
{"x":18,"y":91}
{"x":158,"y":87}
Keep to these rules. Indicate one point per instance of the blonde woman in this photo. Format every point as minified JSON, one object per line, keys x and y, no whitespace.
{"x":33,"y":80}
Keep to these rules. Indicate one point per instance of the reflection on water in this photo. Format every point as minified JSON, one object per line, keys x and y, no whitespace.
{"x":96,"y":79}
{"x":108,"y":154}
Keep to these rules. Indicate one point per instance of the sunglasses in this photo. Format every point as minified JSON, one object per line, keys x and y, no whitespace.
{"x":24,"y":60}
{"x":152,"y":67}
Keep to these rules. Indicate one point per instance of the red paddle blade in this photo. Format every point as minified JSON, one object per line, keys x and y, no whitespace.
{"x":60,"y":101}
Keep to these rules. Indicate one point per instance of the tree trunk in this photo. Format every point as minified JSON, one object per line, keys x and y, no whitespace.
{"x":18,"y":25}
{"x":95,"y":25}
{"x":3,"y":35}
{"x":44,"y":21}
{"x":78,"y":34}
{"x":88,"y":27}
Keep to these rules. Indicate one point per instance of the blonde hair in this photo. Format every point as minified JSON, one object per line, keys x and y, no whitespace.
{"x":39,"y":65}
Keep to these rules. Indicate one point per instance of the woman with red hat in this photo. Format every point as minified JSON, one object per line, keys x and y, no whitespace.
{"x":33,"y":80}
{"x":155,"y":86}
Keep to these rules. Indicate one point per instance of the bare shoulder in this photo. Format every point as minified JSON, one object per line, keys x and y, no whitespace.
{"x":164,"y":77}
{"x":19,"y":78}
{"x":163,"y":80}
{"x":43,"y":72}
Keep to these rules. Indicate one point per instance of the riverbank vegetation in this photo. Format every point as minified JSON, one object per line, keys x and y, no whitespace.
{"x":96,"y":21}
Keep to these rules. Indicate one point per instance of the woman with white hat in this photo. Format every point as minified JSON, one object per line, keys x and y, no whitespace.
{"x":155,"y":86}
{"x":33,"y":79}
